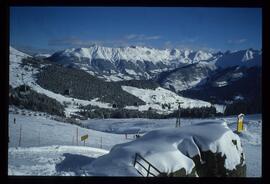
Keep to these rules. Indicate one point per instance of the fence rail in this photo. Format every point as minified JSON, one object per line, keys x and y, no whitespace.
{"x":136,"y":161}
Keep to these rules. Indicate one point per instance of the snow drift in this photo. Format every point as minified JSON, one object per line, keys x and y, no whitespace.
{"x":171,"y":150}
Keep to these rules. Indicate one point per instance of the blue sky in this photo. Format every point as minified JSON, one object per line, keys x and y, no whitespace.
{"x":54,"y":28}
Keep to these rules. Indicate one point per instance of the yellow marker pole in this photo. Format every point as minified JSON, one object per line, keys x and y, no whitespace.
{"x":240,"y":124}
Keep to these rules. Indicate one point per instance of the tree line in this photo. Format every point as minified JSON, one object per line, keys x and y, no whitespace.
{"x":96,"y":112}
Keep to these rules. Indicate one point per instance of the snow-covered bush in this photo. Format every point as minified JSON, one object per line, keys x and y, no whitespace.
{"x":204,"y":149}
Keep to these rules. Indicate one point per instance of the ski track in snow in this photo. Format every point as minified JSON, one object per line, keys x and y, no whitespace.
{"x":48,"y":147}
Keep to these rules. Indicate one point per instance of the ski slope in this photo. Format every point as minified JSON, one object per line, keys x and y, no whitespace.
{"x":49,"y":147}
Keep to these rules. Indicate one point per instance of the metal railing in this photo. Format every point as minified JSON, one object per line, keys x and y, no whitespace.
{"x":136,"y":161}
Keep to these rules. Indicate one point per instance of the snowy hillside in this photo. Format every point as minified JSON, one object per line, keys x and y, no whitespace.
{"x":160,"y":96}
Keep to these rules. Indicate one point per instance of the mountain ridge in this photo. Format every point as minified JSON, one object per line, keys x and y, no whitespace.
{"x":135,"y":62}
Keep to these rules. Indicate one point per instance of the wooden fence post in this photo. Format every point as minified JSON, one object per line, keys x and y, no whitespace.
{"x":20,"y":138}
{"x":72,"y":140}
{"x":39,"y":138}
{"x":100,"y":142}
{"x":77,"y":136}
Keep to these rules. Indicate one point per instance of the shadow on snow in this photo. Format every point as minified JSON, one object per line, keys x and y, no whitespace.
{"x":73,"y":163}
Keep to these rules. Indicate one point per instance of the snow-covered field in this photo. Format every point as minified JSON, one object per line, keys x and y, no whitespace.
{"x":43,"y":131}
{"x":49,"y":147}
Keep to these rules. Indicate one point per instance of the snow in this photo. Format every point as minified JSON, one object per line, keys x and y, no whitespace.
{"x":46,"y":143}
{"x":113,"y":54}
{"x":17,"y":74}
{"x":182,"y":82}
{"x":42,"y":55}
{"x":250,"y":138}
{"x":238,"y":97}
{"x":180,"y":85}
{"x":51,"y":160}
{"x":171,"y":149}
{"x":72,"y":107}
{"x":248,"y":55}
{"x":168,"y":57}
{"x":202,"y":56}
{"x":246,"y":58}
{"x":115,"y":77}
{"x":237,"y":75}
{"x":56,"y":134}
{"x":17,"y":53}
{"x":44,"y":131}
{"x":28,"y":78}
{"x":220,"y":83}
{"x":220,"y":108}
{"x":131,"y":72}
{"x":155,"y":99}
{"x":152,"y":98}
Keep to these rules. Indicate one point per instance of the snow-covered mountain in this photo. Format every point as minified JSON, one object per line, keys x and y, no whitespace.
{"x":191,"y":76}
{"x":42,"y":55}
{"x":230,"y":84}
{"x":197,"y":70}
{"x":186,"y":77}
{"x":248,"y":58}
{"x":107,"y":93}
{"x":168,"y":66}
{"x":127,"y":62}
